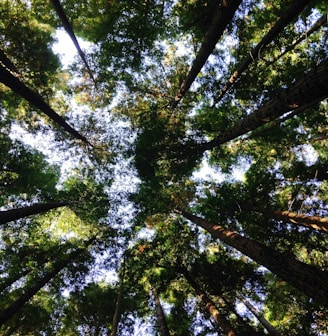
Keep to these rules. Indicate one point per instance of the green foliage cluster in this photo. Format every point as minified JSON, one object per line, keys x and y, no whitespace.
{"x":140,"y":239}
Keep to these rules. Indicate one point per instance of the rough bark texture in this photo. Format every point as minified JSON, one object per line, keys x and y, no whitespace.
{"x":219,"y":318}
{"x":7,"y":313}
{"x":312,"y":88}
{"x":221,"y":19}
{"x":306,"y":278}
{"x":14,"y":214}
{"x":68,"y":27}
{"x":287,"y":16}
{"x":312,"y":222}
{"x":35,"y":99}
{"x":266,"y":324}
{"x":163,"y":328}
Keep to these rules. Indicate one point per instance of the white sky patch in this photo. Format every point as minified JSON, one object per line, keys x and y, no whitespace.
{"x":65,"y":48}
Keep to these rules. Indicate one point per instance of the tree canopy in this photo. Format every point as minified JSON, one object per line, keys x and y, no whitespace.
{"x":172,"y":178}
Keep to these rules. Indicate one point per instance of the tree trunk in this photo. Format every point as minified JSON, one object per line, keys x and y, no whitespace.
{"x":266,"y":324}
{"x":35,"y":99}
{"x":317,"y":25}
{"x":312,"y":222}
{"x":312,"y":88}
{"x":306,"y":278}
{"x":287,"y":16}
{"x":11,"y":280}
{"x":7,"y":313}
{"x":14,"y":214}
{"x":161,"y":320}
{"x":117,"y":313}
{"x":221,"y":19}
{"x":68,"y":27}
{"x":7,"y":62}
{"x":219,"y":318}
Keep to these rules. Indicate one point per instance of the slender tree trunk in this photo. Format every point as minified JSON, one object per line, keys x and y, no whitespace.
{"x":219,"y":318}
{"x":35,"y":99}
{"x":163,"y":328}
{"x":117,"y":313}
{"x":311,"y":222}
{"x":14,"y":214}
{"x":7,"y":62}
{"x":221,"y":19}
{"x":10,"y":280}
{"x":312,"y":88}
{"x":306,"y":278}
{"x":286,"y":17}
{"x":316,"y":26}
{"x":68,"y":27}
{"x":7,"y":313}
{"x":266,"y":324}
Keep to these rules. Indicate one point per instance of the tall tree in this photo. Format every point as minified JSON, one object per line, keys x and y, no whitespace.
{"x":223,"y":15}
{"x":295,"y":272}
{"x":14,"y":214}
{"x":35,"y":99}
{"x":8,"y":312}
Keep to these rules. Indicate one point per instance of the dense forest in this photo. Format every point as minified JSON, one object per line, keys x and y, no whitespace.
{"x":172,"y":178}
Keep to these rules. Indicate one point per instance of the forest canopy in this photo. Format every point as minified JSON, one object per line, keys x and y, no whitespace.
{"x":170,"y":180}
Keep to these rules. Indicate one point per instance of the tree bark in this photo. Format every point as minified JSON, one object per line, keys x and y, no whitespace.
{"x":14,"y":214}
{"x":68,"y":27}
{"x":287,"y":16}
{"x":7,"y":313}
{"x":317,"y":25}
{"x":219,"y":318}
{"x":312,"y":88}
{"x":35,"y":99}
{"x":163,"y":328}
{"x":7,"y":62}
{"x":306,"y":278}
{"x":312,"y":222}
{"x":222,"y":18}
{"x":266,"y":324}
{"x":118,"y":306}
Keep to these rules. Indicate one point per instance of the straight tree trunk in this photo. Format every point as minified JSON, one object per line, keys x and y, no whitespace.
{"x":118,"y":306}
{"x":221,"y":19}
{"x":306,"y":278}
{"x":7,"y":313}
{"x":312,"y":88}
{"x":219,"y":318}
{"x":11,"y":280}
{"x":316,"y":26}
{"x":266,"y":324}
{"x":7,"y":62}
{"x":35,"y":99}
{"x":287,"y":16}
{"x":311,"y":222}
{"x":68,"y":27}
{"x":163,"y":328}
{"x":14,"y":214}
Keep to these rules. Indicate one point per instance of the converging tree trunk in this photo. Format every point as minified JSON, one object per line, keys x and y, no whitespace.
{"x":286,"y":17}
{"x":118,"y":306}
{"x":266,"y":324}
{"x":311,"y":222}
{"x":7,"y":313}
{"x":14,"y":214}
{"x":222,"y":17}
{"x":313,"y":87}
{"x":219,"y":318}
{"x":7,"y":62}
{"x":161,"y":320}
{"x":68,"y":27}
{"x":35,"y":99}
{"x":12,"y":279}
{"x":306,"y":278}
